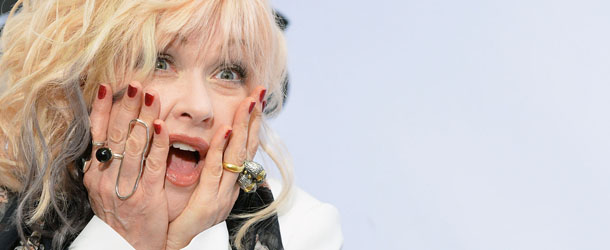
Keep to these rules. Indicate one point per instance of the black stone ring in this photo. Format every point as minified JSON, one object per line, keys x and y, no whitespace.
{"x":105,"y":154}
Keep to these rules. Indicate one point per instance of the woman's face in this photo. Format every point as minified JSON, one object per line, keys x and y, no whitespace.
{"x":198,"y":95}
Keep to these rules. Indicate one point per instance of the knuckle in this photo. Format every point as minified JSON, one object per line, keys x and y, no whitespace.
{"x":212,"y":175}
{"x":115,"y":135}
{"x":159,"y":142}
{"x":130,"y":106}
{"x":96,"y":131}
{"x":241,"y":154}
{"x":217,"y":171}
{"x":230,"y":157}
{"x":173,"y":244}
{"x":154,"y":165}
{"x":243,"y":125}
{"x":87,"y":182}
{"x":148,"y":182}
{"x":217,"y":149}
{"x":133,"y":147}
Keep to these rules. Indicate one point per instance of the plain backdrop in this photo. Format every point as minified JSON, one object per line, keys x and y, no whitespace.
{"x":445,"y":124}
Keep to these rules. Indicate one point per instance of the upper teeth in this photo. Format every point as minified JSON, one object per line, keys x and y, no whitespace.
{"x":183,"y":146}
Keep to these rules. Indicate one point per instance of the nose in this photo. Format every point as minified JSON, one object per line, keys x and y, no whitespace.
{"x":193,"y":104}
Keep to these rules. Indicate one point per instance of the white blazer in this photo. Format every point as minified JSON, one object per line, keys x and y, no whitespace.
{"x":305,"y":223}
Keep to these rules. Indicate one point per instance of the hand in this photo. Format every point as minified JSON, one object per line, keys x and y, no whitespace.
{"x":215,"y":195}
{"x":142,"y":219}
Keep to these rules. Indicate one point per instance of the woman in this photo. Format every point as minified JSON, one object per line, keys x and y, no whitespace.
{"x":170,"y":97}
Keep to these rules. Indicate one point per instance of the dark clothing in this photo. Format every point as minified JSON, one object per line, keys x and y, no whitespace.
{"x":265,"y":233}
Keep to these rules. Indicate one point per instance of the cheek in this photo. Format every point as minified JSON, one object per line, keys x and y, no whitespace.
{"x":167,"y":97}
{"x":225,"y":108}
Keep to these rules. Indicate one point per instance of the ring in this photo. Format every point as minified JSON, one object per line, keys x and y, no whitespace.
{"x":105,"y":154}
{"x":253,"y":175}
{"x":232,"y":167}
{"x":98,"y":143}
{"x":145,"y":149}
{"x":82,"y":162}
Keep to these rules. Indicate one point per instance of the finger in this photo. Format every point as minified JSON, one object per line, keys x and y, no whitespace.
{"x":124,"y":111}
{"x":212,"y":167}
{"x":236,"y":150}
{"x":127,"y":109}
{"x":156,"y":162}
{"x":100,"y":112}
{"x":138,"y":142}
{"x":255,"y":123}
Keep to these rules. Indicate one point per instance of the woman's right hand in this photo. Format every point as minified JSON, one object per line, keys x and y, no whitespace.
{"x":141,"y":219}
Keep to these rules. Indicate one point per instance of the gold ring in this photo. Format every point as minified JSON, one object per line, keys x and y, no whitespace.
{"x":232,"y":167}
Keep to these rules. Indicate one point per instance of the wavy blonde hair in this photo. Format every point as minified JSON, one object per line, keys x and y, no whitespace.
{"x":56,"y":52}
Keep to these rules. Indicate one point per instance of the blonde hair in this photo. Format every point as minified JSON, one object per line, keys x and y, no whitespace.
{"x":54,"y":55}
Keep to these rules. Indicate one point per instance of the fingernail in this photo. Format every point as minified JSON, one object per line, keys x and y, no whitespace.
{"x":148,"y":99}
{"x":251,"y":107}
{"x":264,"y":105}
{"x":157,"y":128}
{"x":131,"y":91}
{"x":262,"y":96}
{"x":228,"y":133}
{"x":101,"y":92}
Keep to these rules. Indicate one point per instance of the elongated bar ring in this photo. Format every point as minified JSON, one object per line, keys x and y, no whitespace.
{"x":98,"y":143}
{"x":252,"y":176}
{"x":105,"y":154}
{"x":232,"y":167}
{"x":145,"y":149}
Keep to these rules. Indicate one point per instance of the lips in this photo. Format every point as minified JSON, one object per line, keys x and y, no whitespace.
{"x":185,"y":159}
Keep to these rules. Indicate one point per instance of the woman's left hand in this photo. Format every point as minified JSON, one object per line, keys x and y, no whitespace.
{"x":217,"y":191}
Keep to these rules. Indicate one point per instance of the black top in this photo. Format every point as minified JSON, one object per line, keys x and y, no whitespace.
{"x":265,"y":233}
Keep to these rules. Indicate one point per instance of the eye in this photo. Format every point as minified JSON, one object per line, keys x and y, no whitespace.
{"x":163,"y":62}
{"x":233,"y":74}
{"x":227,"y":75}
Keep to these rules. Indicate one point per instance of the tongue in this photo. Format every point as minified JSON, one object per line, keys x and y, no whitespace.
{"x":181,"y":161}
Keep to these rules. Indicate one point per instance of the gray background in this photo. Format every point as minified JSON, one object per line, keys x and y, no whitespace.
{"x":453,"y":124}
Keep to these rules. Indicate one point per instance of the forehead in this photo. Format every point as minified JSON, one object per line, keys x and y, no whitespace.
{"x":205,"y":48}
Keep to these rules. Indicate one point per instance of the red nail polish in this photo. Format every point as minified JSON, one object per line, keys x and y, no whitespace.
{"x":262,"y":96}
{"x":157,"y":128}
{"x":251,"y":107}
{"x":228,"y":133}
{"x":131,"y":91}
{"x":264,"y":105}
{"x":148,"y":99}
{"x":101,"y":92}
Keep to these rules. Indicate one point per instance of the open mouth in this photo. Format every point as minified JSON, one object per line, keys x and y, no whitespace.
{"x":184,"y":153}
{"x":184,"y":163}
